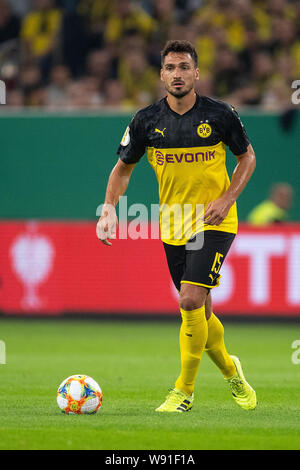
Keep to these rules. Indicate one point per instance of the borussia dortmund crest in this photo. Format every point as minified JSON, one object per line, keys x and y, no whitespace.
{"x":204,"y":130}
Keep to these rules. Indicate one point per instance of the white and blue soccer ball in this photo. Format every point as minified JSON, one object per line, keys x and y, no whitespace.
{"x":79,"y":394}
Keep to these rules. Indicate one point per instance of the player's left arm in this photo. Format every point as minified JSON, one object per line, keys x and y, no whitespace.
{"x":217,"y":210}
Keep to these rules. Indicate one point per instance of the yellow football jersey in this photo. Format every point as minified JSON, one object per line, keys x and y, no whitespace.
{"x":188,"y":155}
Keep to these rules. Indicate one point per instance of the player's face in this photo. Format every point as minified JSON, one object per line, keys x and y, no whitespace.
{"x":179,"y":73}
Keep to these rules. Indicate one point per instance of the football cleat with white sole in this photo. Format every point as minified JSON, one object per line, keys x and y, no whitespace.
{"x":242,"y":392}
{"x":176,"y":401}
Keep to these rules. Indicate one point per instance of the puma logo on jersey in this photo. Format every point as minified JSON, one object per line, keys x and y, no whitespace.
{"x":161,"y":132}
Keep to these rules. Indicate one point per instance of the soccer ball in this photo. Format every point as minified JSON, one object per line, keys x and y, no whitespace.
{"x":79,"y":394}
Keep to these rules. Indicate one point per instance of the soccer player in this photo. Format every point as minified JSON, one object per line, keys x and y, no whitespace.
{"x":185,"y":136}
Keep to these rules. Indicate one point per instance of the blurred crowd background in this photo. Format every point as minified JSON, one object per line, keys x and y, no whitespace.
{"x":105,"y":54}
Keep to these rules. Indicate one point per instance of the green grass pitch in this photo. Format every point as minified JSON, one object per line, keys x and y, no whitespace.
{"x":135,"y":363}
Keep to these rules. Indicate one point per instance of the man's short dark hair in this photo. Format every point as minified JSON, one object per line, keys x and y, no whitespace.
{"x":179,"y":46}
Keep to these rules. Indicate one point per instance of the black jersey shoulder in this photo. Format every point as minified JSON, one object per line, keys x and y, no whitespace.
{"x":234,"y":134}
{"x":214,"y":104}
{"x":148,"y":113}
{"x":220,"y":108}
{"x":135,"y":139}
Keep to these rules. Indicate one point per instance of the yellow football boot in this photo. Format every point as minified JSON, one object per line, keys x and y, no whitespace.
{"x":176,"y":401}
{"x":242,"y":392}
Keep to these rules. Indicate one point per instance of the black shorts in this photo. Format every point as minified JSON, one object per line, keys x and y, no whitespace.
{"x":200,"y":267}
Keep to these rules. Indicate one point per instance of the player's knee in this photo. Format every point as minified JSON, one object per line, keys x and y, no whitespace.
{"x":188,"y":302}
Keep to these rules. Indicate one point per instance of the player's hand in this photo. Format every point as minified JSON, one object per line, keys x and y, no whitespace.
{"x":217,"y":210}
{"x":107,"y":225}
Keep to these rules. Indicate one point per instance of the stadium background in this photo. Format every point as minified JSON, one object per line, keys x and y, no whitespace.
{"x":75,"y":72}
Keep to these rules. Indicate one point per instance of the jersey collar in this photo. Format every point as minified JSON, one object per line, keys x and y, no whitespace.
{"x":181,"y":115}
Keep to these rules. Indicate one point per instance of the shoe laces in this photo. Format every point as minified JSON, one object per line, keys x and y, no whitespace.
{"x":174,"y":396}
{"x":237,"y":385}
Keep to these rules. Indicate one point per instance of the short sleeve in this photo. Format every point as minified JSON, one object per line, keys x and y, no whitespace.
{"x":236,"y":137}
{"x":133,"y":144}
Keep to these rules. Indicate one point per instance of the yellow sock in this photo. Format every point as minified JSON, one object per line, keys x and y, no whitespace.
{"x":215,"y":347}
{"x":192,"y":338}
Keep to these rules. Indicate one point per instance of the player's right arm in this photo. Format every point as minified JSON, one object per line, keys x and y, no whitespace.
{"x":116,"y":187}
{"x":130,"y":151}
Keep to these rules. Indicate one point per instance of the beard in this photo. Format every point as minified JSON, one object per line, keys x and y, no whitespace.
{"x":179,"y":93}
